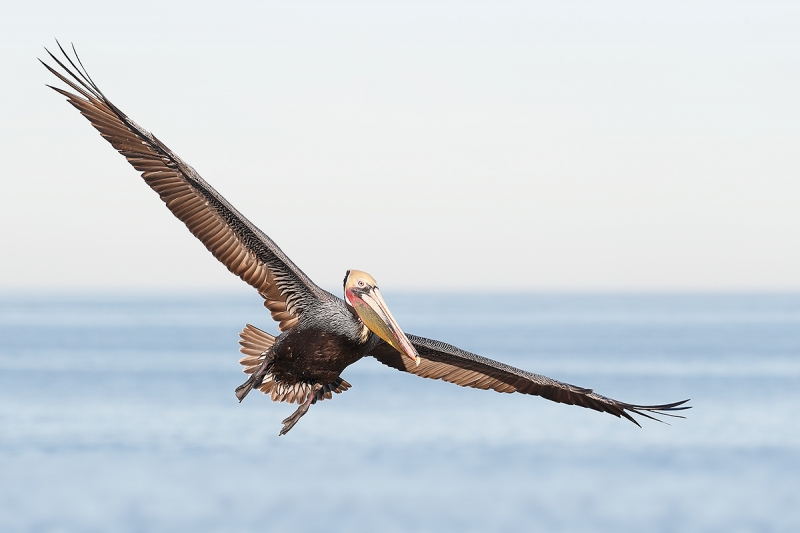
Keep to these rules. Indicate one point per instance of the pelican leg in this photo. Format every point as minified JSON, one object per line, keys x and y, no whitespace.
{"x":303,"y":409}
{"x":256,"y":378}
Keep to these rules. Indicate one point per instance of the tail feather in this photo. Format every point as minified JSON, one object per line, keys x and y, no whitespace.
{"x":255,"y":344}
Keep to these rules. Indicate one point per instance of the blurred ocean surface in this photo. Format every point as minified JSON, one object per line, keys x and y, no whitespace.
{"x":117,"y":413}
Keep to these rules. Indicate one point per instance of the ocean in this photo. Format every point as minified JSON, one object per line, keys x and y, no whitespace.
{"x":117,"y":413}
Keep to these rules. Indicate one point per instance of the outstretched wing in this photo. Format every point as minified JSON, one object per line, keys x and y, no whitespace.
{"x":238,"y":244}
{"x":443,"y":361}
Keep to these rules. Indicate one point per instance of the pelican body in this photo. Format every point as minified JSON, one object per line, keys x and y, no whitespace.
{"x":320,"y":334}
{"x":304,"y":363}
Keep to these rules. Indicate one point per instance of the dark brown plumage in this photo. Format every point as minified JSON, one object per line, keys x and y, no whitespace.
{"x":321,"y":333}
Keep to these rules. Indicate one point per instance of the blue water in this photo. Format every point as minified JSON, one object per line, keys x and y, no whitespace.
{"x":118,"y":414}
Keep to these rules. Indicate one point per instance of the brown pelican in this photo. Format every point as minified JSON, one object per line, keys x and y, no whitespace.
{"x":321,"y":334}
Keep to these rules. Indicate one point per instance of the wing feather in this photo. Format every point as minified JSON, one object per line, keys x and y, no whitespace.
{"x":244,"y":249}
{"x":439,"y":360}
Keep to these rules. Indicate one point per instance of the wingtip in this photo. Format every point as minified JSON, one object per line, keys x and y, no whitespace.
{"x":648,"y":411}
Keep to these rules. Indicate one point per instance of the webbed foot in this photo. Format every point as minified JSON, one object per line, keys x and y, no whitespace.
{"x":256,"y":378}
{"x":311,"y":399}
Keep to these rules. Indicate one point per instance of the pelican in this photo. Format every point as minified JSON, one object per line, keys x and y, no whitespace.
{"x":320,"y":334}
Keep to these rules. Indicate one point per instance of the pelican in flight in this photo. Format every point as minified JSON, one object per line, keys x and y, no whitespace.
{"x":320,"y":334}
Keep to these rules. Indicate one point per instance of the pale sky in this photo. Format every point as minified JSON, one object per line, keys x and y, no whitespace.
{"x":601,"y":146}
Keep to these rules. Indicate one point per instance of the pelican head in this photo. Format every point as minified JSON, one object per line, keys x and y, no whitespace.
{"x":362,"y":293}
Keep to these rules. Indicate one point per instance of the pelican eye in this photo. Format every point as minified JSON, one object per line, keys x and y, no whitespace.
{"x":361,"y":283}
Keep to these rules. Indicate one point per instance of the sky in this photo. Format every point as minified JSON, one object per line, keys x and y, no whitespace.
{"x":481,"y":146}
